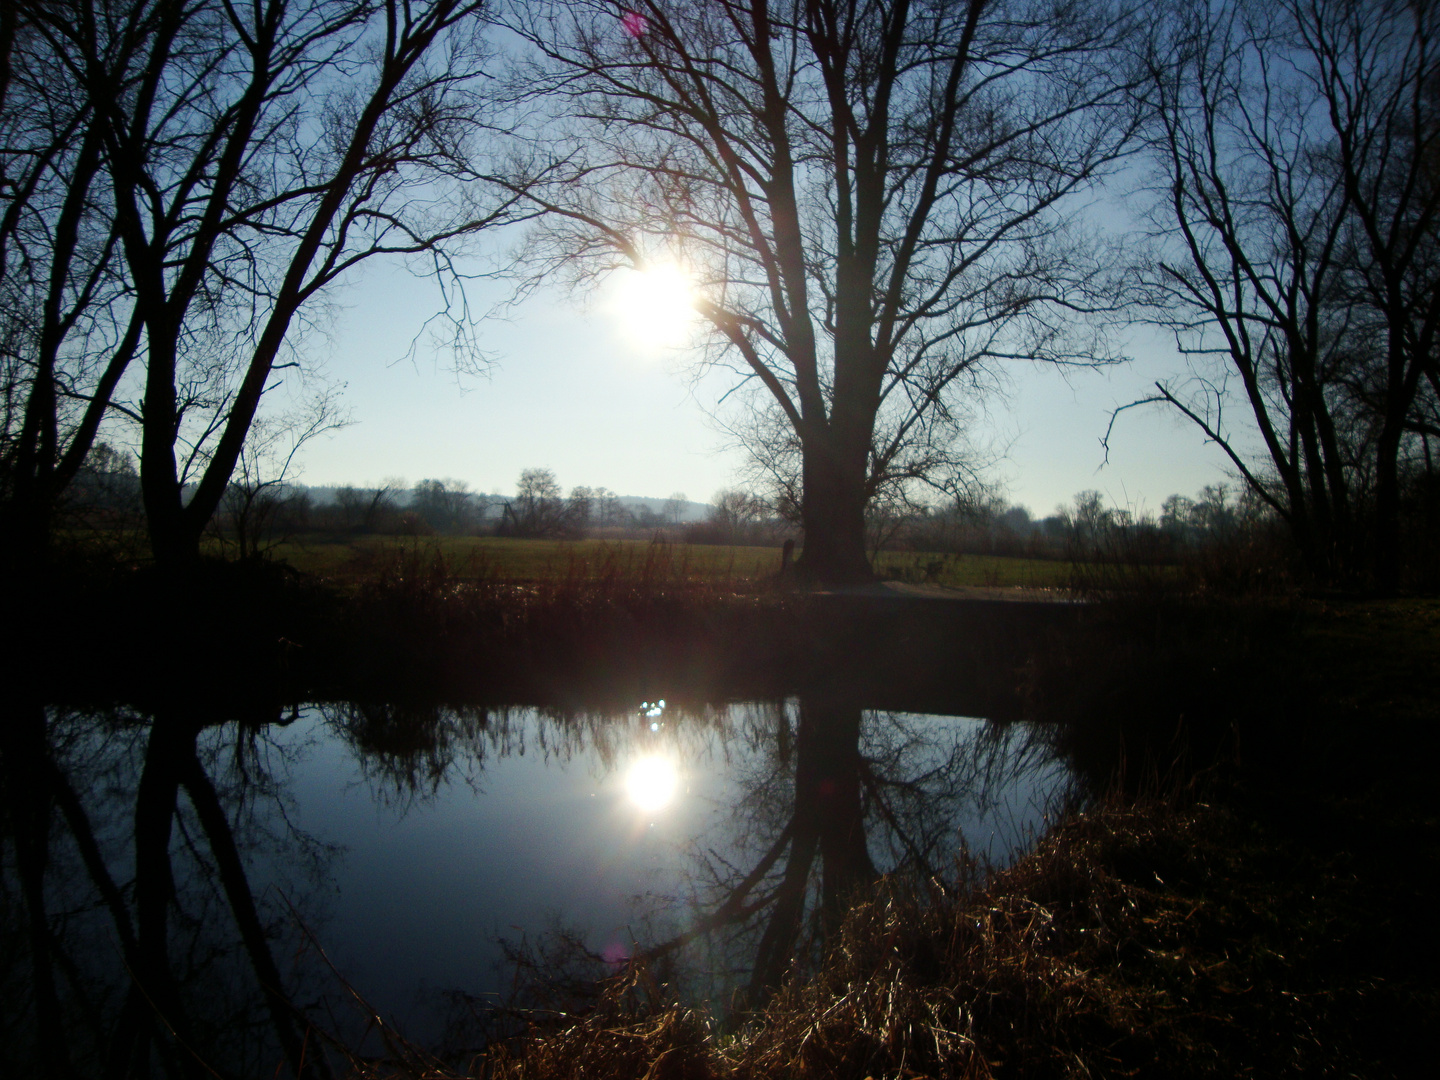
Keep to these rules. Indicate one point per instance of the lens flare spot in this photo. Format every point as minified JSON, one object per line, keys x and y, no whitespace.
{"x":651,"y":782}
{"x":634,"y":23}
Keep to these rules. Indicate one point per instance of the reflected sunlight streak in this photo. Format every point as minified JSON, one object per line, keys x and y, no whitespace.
{"x":651,"y":782}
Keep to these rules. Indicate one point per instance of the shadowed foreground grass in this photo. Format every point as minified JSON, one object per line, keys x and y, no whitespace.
{"x":1139,"y":939}
{"x":1273,"y":917}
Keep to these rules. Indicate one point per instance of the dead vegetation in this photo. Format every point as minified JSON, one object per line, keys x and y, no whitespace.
{"x":1138,"y":939}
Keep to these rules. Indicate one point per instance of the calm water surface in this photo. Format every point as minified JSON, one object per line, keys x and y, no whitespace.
{"x":447,"y":860}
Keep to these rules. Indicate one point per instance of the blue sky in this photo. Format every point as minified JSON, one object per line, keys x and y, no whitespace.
{"x":577,"y":388}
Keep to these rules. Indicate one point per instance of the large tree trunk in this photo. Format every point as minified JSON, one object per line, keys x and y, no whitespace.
{"x":174,"y":547}
{"x":832,"y":514}
{"x":173,"y":543}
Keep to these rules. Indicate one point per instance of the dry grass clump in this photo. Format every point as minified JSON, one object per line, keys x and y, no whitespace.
{"x":633,"y":1033}
{"x":419,"y":585}
{"x":1024,"y":977}
{"x":1057,"y":967}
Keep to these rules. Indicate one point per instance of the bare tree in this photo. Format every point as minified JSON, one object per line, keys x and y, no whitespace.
{"x":259,"y":493}
{"x":674,"y":508}
{"x":350,"y":502}
{"x":579,"y":509}
{"x":539,"y":508}
{"x":1297,"y":270}
{"x":369,"y":509}
{"x":868,"y":197}
{"x":446,"y":506}
{"x":69,"y":326}
{"x":608,"y":511}
{"x":256,"y":155}
{"x":1378,"y":73}
{"x":736,"y":514}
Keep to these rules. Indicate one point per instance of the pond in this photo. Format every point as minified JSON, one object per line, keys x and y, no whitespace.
{"x":250,"y":879}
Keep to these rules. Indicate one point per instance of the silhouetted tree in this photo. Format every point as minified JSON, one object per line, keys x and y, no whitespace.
{"x":68,"y":325}
{"x":539,"y":508}
{"x":868,"y":196}
{"x":674,"y":508}
{"x":259,"y":493}
{"x":446,"y":506}
{"x":1297,"y":216}
{"x":238,"y":160}
{"x":578,"y":510}
{"x":369,"y":509}
{"x":735,"y":515}
{"x":608,"y":511}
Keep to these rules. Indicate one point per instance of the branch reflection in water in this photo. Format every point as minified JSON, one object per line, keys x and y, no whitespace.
{"x":831,"y":796}
{"x":156,"y":945}
{"x":163,"y":862}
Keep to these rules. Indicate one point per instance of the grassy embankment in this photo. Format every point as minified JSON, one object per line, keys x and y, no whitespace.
{"x":1269,"y":915}
{"x":452,"y":619}
{"x":1275,"y":918}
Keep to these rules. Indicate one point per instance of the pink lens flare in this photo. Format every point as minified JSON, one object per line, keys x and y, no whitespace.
{"x":634,"y":23}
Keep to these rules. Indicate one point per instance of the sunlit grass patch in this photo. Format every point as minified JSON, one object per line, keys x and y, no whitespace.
{"x":510,"y":559}
{"x":974,"y":571}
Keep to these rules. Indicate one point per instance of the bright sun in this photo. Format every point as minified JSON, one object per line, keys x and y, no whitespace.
{"x":651,"y":782}
{"x":656,"y":306}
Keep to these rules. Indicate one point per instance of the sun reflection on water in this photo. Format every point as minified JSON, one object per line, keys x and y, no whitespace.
{"x":652,"y":782}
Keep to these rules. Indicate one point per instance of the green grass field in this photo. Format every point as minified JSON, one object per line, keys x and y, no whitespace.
{"x":509,"y":559}
{"x":971,"y":571}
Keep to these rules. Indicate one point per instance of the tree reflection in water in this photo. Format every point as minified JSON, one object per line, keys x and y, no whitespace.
{"x":146,"y":948}
{"x":153,"y":872}
{"x":833,"y":796}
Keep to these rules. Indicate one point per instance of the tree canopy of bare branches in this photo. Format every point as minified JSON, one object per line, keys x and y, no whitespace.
{"x":870,"y":198}
{"x":203,"y":174}
{"x":1297,"y":212}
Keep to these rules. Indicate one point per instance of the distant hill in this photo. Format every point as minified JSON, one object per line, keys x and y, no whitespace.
{"x":325,"y":495}
{"x":689,"y":511}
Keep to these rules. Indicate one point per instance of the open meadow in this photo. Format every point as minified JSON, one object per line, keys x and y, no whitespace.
{"x":350,"y":561}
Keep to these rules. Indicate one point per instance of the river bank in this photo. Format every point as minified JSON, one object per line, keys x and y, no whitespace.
{"x":1270,"y":914}
{"x":419,"y":629}
{"x":1252,"y":896}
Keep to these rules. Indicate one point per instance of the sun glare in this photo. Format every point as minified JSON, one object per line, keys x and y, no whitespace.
{"x":656,"y":306}
{"x":651,"y":782}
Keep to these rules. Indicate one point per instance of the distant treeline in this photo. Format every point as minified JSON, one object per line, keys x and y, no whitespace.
{"x":253,"y":518}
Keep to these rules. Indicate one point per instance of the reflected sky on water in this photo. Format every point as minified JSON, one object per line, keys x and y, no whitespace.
{"x":424,"y":849}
